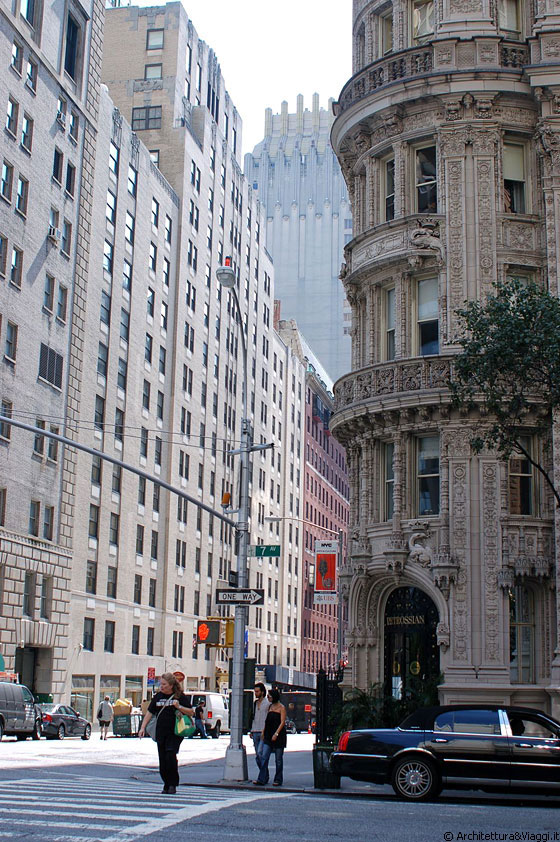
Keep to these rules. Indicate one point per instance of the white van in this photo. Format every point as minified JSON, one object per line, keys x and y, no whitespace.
{"x":217,"y":711}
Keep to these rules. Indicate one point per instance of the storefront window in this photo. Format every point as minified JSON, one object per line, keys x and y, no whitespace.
{"x":110,"y":685}
{"x":133,"y":689}
{"x":81,"y":696}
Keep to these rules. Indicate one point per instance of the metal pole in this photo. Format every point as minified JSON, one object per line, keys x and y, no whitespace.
{"x":235,"y":767}
{"x":340,"y":562}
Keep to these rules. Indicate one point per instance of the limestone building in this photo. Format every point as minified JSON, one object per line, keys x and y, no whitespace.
{"x":447,"y":134}
{"x":308,"y":221}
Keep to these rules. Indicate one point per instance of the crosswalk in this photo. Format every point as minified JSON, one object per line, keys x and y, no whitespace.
{"x":86,"y":809}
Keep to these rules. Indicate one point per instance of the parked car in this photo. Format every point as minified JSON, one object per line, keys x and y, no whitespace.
{"x":495,"y":748}
{"x":61,"y":721}
{"x":217,"y":711}
{"x":19,"y":714}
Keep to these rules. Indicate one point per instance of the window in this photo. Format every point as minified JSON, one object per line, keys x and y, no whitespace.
{"x":148,"y":347}
{"x":388,"y":175}
{"x":109,"y":644}
{"x":39,"y":440}
{"x":5,"y":429}
{"x":509,"y":18}
{"x":152,"y":71}
{"x":119,"y":433}
{"x":93,"y":526}
{"x":468,"y":722}
{"x":146,"y":395}
{"x":127,"y":276}
{"x":58,"y":161}
{"x":388,"y":451}
{"x":74,"y":126}
{"x":27,"y":133}
{"x":105,"y":310}
{"x":72,"y":51}
{"x":99,"y":413}
{"x":10,"y":348}
{"x":422,"y":21}
{"x":137,"y":589}
{"x":34,"y":516}
{"x":152,"y":258}
{"x":146,"y":117}
{"x":154,"y":545}
{"x":150,"y":641}
{"x":108,"y":257}
{"x":52,"y":446}
{"x":150,"y":302}
{"x":66,"y":237}
{"x":521,"y":481}
{"x":102,"y":358}
{"x":428,"y":317}
{"x":164,"y":315}
{"x":114,"y":529}
{"x":62,"y":303}
{"x":17,"y":57}
{"x":45,"y":600}
{"x":12,"y":116}
{"x":143,"y":442}
{"x":166,"y":271}
{"x":428,"y":475}
{"x":168,"y":229}
{"x":91,"y":576}
{"x":135,"y":643}
{"x":132,"y":180}
{"x":70,"y":179}
{"x":50,"y":366}
{"x":31,"y":75}
{"x":390,"y":321}
{"x":154,"y":39}
{"x":386,"y":33}
{"x":514,"y":178}
{"x":426,"y":180}
{"x":154,"y":156}
{"x":125,"y":325}
{"x":152,"y":593}
{"x":7,"y":181}
{"x":89,"y":631}
{"x":22,"y":195}
{"x":114,"y":155}
{"x":129,"y":226}
{"x":112,"y":582}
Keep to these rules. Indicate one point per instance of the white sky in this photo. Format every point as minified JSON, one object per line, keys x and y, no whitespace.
{"x":271,"y":50}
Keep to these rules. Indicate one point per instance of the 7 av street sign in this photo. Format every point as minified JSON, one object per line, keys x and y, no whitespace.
{"x":264,"y":550}
{"x":240,"y":596}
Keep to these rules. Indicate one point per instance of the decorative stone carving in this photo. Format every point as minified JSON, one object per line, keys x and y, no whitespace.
{"x":490,"y":558}
{"x":419,"y":551}
{"x":444,"y":570}
{"x":427,"y":236}
{"x":443,"y":636}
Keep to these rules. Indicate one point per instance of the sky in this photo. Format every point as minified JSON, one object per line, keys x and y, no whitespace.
{"x":272,"y":51}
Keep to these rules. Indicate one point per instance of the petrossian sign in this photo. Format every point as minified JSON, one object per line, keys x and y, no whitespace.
{"x":410,"y":620}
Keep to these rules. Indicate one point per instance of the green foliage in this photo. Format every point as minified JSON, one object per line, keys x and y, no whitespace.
{"x":373,"y":708}
{"x":510,"y":364}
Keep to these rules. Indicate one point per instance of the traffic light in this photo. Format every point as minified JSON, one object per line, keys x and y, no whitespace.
{"x":208,"y":632}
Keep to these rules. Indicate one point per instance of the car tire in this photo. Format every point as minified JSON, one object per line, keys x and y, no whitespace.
{"x":61,"y":732}
{"x":37,"y":730}
{"x":216,"y":730}
{"x":21,"y":737}
{"x":415,"y":778}
{"x":87,"y":733}
{"x":1,"y":729}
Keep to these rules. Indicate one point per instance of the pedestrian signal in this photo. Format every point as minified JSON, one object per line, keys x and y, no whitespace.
{"x":208,"y":631}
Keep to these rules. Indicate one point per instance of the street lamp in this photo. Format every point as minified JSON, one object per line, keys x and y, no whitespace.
{"x":235,"y":768}
{"x":340,"y":534}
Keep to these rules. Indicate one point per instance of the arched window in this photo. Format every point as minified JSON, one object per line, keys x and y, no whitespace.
{"x":521,"y":635}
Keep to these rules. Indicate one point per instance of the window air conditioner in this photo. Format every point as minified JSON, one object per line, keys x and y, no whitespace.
{"x":54,"y":234}
{"x":61,"y":118}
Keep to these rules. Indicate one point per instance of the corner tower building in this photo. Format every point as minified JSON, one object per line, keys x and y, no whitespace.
{"x":448,"y":135}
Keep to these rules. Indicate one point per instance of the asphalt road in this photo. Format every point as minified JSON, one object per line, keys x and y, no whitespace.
{"x":87,"y":792}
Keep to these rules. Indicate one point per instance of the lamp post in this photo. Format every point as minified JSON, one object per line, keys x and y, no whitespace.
{"x":340,"y":534}
{"x":235,"y":768}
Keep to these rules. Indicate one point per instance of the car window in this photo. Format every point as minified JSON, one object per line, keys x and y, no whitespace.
{"x":27,"y":695}
{"x":468,"y":722}
{"x":524,"y":725}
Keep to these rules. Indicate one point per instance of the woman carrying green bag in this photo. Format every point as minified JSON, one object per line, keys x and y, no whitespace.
{"x":170,"y":706}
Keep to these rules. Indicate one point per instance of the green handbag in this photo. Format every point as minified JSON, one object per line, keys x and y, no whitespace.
{"x":184,"y":726}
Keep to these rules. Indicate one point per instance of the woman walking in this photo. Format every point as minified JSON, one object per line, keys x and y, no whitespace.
{"x":274,"y":739}
{"x":166,"y":704}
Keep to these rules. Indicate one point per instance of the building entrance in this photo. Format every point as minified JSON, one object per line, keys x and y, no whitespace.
{"x":411,"y":650}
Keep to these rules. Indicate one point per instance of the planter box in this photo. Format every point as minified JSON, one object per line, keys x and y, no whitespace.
{"x":323,"y":778}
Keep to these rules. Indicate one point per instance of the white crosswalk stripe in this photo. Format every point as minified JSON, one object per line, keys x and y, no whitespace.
{"x":82,"y":808}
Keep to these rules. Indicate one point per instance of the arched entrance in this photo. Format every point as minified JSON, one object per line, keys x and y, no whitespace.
{"x":411,"y":650}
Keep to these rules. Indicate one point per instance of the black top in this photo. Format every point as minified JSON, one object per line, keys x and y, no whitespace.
{"x":162,"y":707}
{"x":199,"y":712}
{"x":271,"y":725}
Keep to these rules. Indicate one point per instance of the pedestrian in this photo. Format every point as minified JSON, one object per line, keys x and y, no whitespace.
{"x":274,"y":739}
{"x":166,"y":704}
{"x":105,"y":716}
{"x":199,"y":723}
{"x":260,"y":710}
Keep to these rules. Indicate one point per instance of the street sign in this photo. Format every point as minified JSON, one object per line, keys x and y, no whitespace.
{"x":240,"y":596}
{"x":264,"y":550}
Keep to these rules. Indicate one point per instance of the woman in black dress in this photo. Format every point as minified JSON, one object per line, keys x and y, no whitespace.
{"x":274,"y":739}
{"x":166,"y":705}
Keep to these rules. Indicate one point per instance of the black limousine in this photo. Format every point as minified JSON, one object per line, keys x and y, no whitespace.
{"x":470,"y":747}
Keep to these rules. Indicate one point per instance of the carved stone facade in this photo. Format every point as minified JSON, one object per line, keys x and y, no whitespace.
{"x":454,"y":186}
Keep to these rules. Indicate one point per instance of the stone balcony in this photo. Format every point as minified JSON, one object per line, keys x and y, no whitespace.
{"x":436,"y":57}
{"x":391,"y":379}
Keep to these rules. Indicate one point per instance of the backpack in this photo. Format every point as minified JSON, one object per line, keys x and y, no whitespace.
{"x":100,"y":711}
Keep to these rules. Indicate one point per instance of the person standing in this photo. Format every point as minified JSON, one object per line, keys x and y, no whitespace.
{"x":260,"y":710}
{"x":166,"y":704}
{"x":105,"y":716}
{"x":274,"y":739}
{"x":199,"y":720}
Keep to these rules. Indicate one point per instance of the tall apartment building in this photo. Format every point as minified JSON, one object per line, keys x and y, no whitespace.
{"x":325,"y":512}
{"x":170,"y":204}
{"x":299,"y":181}
{"x":50,"y":70}
{"x":448,"y":135}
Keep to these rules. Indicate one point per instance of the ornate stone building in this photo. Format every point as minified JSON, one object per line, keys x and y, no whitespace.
{"x":448,"y":135}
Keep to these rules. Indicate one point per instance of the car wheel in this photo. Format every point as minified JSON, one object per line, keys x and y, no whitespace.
{"x":1,"y":729}
{"x":37,"y":731}
{"x":415,"y":779}
{"x":216,"y":731}
{"x":61,"y":732}
{"x":21,"y":737}
{"x":87,"y":732}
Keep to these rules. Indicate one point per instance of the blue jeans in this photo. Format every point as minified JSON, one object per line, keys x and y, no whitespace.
{"x":259,"y":745}
{"x":199,"y":725}
{"x":266,"y":751}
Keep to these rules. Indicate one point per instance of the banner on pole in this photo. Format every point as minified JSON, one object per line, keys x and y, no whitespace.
{"x":326,"y":553}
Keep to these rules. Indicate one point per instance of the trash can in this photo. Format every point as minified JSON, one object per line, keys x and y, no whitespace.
{"x":126,"y":724}
{"x":323,"y":777}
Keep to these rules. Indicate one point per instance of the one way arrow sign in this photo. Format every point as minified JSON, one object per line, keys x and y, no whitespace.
{"x":240,"y":596}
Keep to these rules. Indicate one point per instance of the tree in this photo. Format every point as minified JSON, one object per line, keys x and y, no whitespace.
{"x":510,"y":366}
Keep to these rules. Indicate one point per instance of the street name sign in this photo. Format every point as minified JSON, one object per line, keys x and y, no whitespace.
{"x":264,"y":550}
{"x":240,"y":596}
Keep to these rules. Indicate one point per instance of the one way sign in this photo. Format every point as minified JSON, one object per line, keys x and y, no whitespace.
{"x":240,"y":596}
